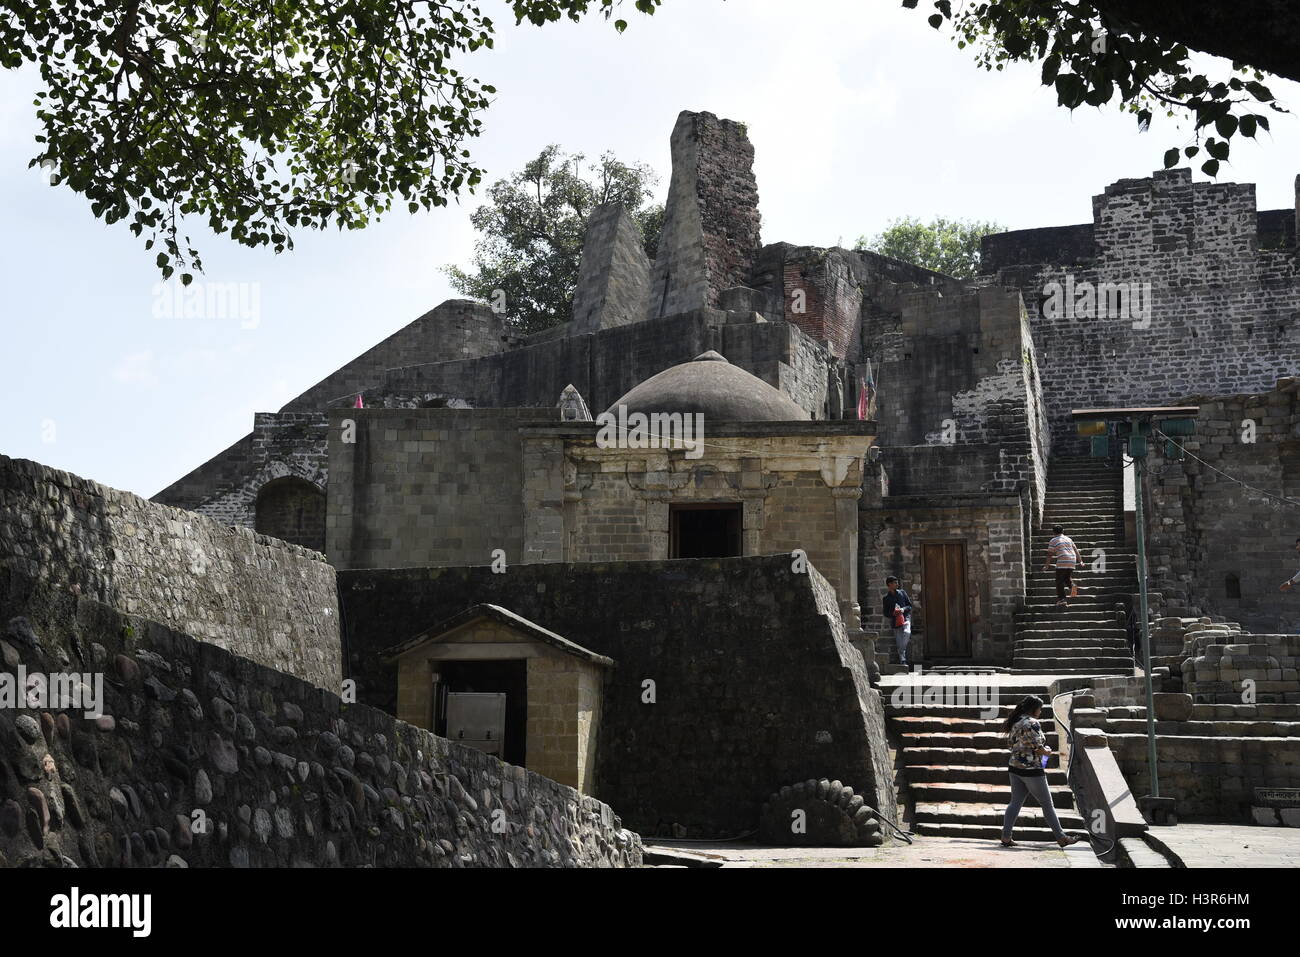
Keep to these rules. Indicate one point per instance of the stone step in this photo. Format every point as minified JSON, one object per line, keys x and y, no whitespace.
{"x":1233,"y":712}
{"x":1229,"y":729}
{"x":1025,"y":657}
{"x":967,"y":757}
{"x":1024,"y":833}
{"x":1077,"y":634}
{"x":970,"y":792}
{"x":988,"y":740}
{"x":987,"y":774}
{"x":988,"y":813}
{"x":1001,"y":696}
{"x":968,"y":712}
{"x":1065,"y":647}
{"x":1093,"y":602}
{"x":1059,"y":670}
{"x":941,"y":724}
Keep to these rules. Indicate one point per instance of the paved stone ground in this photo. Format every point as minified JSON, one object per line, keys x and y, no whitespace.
{"x":1231,"y":845}
{"x":926,"y":852}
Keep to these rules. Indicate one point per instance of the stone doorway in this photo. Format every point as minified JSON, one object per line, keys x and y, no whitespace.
{"x":488,"y":677}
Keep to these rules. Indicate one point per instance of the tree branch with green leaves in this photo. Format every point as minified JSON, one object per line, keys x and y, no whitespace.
{"x":1091,"y":54}
{"x":260,"y":118}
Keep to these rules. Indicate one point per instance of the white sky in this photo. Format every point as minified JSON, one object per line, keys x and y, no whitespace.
{"x":859,"y":113}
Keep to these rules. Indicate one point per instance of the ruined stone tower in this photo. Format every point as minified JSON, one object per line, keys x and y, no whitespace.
{"x":711,"y":225}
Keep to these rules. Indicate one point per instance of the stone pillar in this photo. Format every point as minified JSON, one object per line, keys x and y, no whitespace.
{"x":614,"y":274}
{"x":846,"y":527}
{"x":711,"y":223}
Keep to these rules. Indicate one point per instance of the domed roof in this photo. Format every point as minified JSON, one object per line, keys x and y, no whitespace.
{"x":711,"y":385}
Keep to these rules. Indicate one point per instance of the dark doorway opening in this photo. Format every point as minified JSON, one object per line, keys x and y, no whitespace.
{"x":291,"y":509}
{"x":502,"y":677}
{"x":706,"y":531}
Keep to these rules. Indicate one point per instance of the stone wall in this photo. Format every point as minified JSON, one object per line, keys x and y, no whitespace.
{"x":614,"y":274}
{"x":1216,"y":546}
{"x":260,"y":597}
{"x":1213,"y":777}
{"x":1222,"y":305}
{"x":226,"y":488}
{"x":796,"y":485}
{"x":206,"y":759}
{"x":456,"y":329}
{"x":754,"y":682}
{"x":427,"y":486}
{"x":957,"y":369}
{"x":991,"y":529}
{"x":1254,"y":668}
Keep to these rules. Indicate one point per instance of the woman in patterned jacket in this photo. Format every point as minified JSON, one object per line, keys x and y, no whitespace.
{"x":1028,"y":747}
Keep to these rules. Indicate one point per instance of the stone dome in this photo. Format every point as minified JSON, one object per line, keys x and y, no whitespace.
{"x":711,"y":385}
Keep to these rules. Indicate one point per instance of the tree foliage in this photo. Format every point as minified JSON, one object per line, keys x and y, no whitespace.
{"x":259,"y":118}
{"x":1092,"y":55}
{"x":531,"y":230}
{"x":949,"y":246}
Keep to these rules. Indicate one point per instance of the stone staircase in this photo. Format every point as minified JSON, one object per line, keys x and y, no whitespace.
{"x":953,"y":760}
{"x":1085,"y":496}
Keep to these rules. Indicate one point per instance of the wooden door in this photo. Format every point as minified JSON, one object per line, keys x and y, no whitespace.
{"x":943,"y":600}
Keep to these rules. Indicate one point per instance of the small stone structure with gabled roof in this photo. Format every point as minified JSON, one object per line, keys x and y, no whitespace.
{"x":553,"y":686}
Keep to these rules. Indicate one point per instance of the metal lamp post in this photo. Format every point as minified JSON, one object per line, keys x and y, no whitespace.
{"x":1095,"y":422}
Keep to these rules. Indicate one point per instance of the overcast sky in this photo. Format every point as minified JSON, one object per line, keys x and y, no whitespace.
{"x":859,"y":113}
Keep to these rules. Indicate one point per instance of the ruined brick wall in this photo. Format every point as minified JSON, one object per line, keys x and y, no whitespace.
{"x":1222,"y":307}
{"x":427,"y":486}
{"x":1216,"y":547}
{"x":207,"y":759}
{"x":266,"y":599}
{"x":743,"y":647}
{"x":813,"y":289}
{"x":282,"y":445}
{"x":711,"y":220}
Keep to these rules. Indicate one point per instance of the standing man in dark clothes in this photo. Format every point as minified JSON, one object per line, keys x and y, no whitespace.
{"x":896,"y":601}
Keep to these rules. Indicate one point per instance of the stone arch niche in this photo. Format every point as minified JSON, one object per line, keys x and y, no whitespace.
{"x":292,"y":509}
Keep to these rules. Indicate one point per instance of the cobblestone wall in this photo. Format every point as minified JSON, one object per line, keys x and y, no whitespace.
{"x":206,"y":759}
{"x":258,"y":596}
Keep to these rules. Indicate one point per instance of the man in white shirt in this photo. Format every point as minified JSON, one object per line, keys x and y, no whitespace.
{"x":1063,"y":556}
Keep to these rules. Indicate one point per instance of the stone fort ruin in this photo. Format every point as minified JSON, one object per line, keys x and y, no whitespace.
{"x":692,"y":637}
